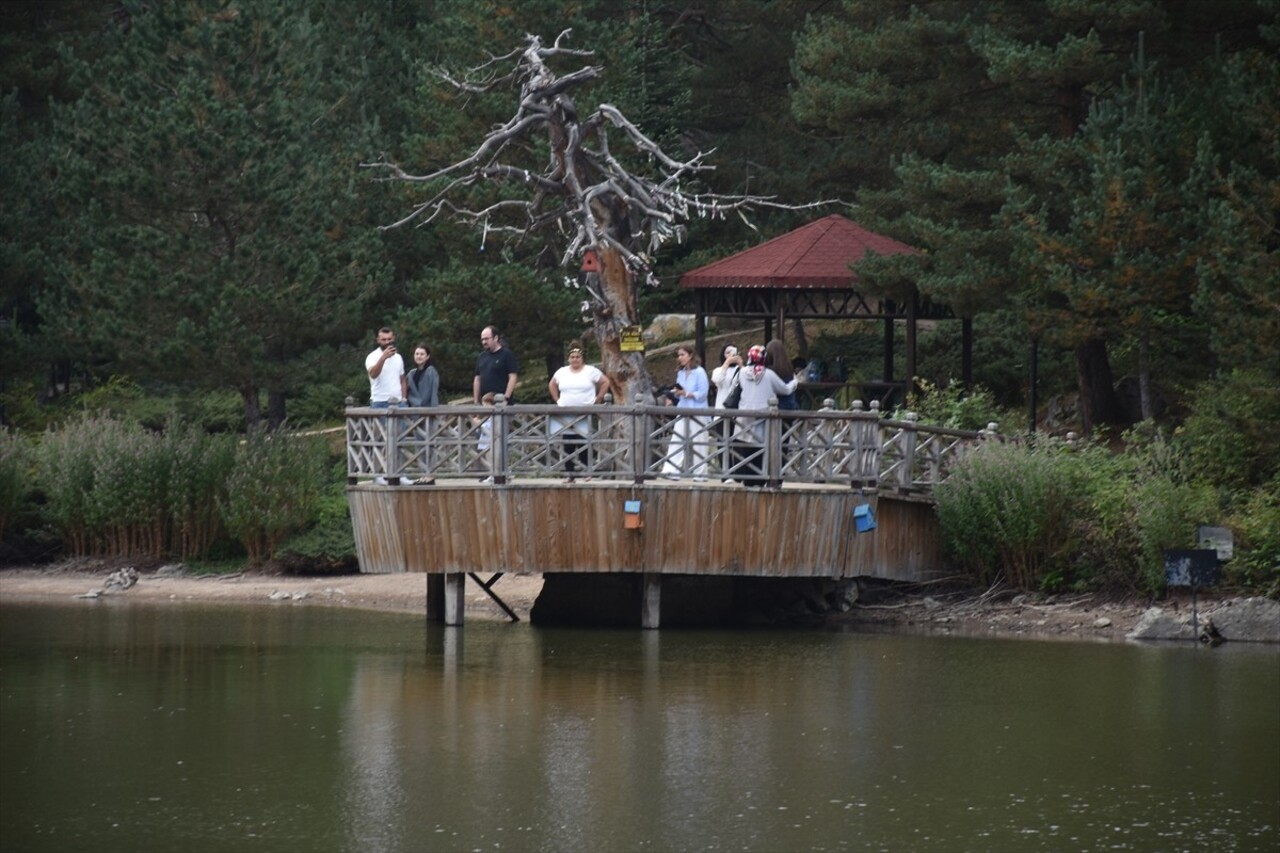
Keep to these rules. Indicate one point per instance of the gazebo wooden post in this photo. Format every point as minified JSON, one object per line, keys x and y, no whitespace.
{"x":781,"y":316}
{"x":888,"y":340}
{"x":911,"y":346}
{"x":700,"y":326}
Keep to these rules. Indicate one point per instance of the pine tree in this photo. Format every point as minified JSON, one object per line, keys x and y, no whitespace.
{"x":212,"y":229}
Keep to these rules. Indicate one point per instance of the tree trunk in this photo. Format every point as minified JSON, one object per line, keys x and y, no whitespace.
{"x":1098,"y":404}
{"x":1144,"y":375}
{"x":275,"y":410}
{"x":252,"y":408}
{"x":626,"y":370}
{"x":801,"y":347}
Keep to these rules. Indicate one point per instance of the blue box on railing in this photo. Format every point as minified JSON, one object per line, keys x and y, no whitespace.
{"x":864,"y":518}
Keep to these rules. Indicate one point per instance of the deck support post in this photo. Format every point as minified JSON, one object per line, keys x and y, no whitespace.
{"x":435,"y":598}
{"x":455,"y":599}
{"x":651,"y":600}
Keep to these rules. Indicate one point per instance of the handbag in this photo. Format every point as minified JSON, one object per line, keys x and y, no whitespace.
{"x":735,"y":396}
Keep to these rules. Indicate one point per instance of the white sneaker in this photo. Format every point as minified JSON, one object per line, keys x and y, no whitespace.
{"x":671,"y":476}
{"x":699,"y":479}
{"x":379,"y":481}
{"x":487,"y":480}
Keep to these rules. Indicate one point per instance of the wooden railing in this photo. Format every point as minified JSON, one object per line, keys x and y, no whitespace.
{"x":857,"y":448}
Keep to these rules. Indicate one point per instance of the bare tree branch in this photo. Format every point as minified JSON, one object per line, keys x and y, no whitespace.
{"x":582,"y":189}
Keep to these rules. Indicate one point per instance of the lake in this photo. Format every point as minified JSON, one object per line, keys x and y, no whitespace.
{"x":173,"y":727}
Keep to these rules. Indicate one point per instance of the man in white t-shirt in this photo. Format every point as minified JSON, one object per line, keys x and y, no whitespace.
{"x":387,"y":381}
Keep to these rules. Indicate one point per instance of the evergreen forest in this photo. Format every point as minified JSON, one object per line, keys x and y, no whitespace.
{"x":191,"y":248}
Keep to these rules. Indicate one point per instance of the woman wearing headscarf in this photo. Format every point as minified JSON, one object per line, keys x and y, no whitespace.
{"x":775,"y":358}
{"x":759,"y":384}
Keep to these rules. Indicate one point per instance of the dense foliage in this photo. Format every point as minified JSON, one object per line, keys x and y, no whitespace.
{"x":187,"y":227}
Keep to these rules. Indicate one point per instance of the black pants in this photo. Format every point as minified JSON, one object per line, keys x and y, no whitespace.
{"x":575,"y":452}
{"x":746,"y":466}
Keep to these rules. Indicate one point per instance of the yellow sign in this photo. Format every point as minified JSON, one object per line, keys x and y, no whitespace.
{"x":630,"y":339}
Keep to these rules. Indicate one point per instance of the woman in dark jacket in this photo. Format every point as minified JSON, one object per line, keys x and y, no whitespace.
{"x":423,"y":383}
{"x":424,"y":379}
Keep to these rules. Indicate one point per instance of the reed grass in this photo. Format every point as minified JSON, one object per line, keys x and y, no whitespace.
{"x":15,"y":478}
{"x":272,"y":490}
{"x":115,"y":488}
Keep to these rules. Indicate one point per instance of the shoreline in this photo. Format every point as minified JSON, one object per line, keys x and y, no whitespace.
{"x":880,"y":608}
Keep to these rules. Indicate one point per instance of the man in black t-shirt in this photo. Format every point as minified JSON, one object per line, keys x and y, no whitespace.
{"x":496,"y":368}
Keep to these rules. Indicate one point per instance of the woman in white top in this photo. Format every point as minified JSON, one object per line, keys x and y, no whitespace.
{"x":725,"y":380}
{"x":576,"y":384}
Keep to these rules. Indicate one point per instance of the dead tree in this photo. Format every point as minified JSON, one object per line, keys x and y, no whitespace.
{"x":594,"y":204}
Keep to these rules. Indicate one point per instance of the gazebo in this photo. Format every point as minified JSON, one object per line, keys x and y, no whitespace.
{"x":807,"y":274}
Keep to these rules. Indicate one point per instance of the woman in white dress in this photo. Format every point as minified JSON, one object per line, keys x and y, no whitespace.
{"x":574,"y":385}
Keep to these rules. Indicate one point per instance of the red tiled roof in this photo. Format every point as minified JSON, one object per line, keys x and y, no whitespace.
{"x":816,"y":255}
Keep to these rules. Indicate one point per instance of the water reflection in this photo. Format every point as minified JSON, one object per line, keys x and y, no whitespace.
{"x":128,"y":727}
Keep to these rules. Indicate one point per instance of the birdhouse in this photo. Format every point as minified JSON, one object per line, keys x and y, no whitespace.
{"x":590,"y":261}
{"x":631,"y":515}
{"x":864,"y":518}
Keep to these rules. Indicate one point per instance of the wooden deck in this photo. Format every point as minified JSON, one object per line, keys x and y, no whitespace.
{"x":819,"y":466}
{"x":454,"y":529}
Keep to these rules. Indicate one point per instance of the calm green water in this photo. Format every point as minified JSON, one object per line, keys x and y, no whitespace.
{"x":137,"y":728}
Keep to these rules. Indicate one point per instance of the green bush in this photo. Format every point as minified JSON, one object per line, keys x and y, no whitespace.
{"x":1229,"y":434}
{"x":1256,"y":563}
{"x":329,"y":544}
{"x":1012,"y":511}
{"x":953,"y":407}
{"x":15,"y":478}
{"x":272,"y":490}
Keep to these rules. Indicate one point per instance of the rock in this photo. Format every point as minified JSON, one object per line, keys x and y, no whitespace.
{"x":299,"y":596}
{"x":1020,"y":599}
{"x":173,"y":570}
{"x":1062,"y":411}
{"x":669,"y":327}
{"x":1255,"y":620}
{"x":121,"y":580}
{"x":93,"y":593}
{"x":1102,"y":622}
{"x":277,"y":595}
{"x":1156,"y":624}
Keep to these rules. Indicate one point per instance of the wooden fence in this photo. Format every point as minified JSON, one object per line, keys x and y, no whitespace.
{"x":639,"y":443}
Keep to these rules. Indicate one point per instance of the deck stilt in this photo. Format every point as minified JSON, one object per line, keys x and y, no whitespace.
{"x":651,"y":601}
{"x":435,"y":598}
{"x":455,"y":599}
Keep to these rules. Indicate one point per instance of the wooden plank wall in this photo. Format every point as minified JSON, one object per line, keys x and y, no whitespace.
{"x":548,"y":526}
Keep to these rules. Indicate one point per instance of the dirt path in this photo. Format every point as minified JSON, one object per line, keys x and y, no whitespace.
{"x":394,"y":593}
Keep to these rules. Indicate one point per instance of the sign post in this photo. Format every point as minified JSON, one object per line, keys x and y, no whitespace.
{"x":1193,"y":567}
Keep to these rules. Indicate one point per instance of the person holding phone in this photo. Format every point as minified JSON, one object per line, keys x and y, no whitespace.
{"x":385,"y":366}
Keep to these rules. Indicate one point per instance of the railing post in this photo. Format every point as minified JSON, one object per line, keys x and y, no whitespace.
{"x":874,"y":435}
{"x":352,"y":468}
{"x":639,"y":423}
{"x":909,"y":437}
{"x":391,"y":425}
{"x":498,"y":450}
{"x":773,"y":446}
